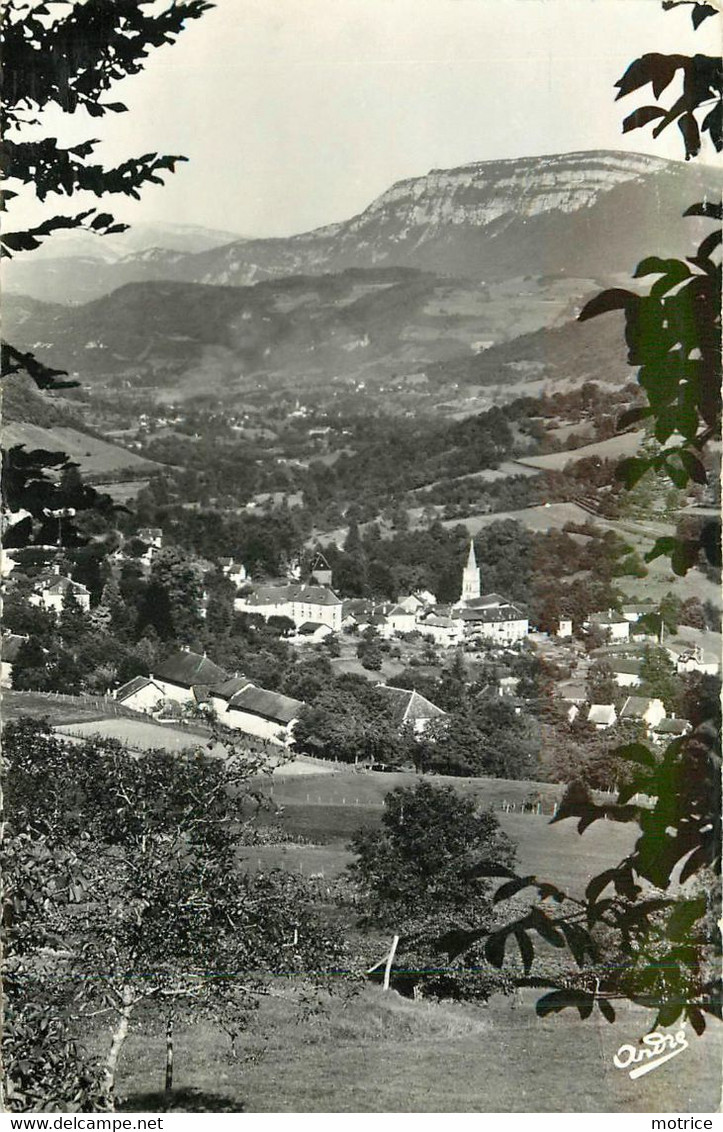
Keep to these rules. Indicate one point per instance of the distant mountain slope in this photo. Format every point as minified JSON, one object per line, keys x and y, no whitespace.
{"x":356,"y":323}
{"x":579,"y":214}
{"x":79,"y":266}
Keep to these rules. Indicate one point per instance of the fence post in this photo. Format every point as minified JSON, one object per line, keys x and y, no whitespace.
{"x":390,"y":960}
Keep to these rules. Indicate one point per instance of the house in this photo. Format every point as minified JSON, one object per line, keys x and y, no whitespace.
{"x":504,"y":622}
{"x":564,"y":627}
{"x":695,"y":660}
{"x":572,"y":691}
{"x":52,"y":589}
{"x":670,"y":728}
{"x":151,"y":536}
{"x":234,"y":571}
{"x":401,"y":620}
{"x":410,"y":708}
{"x":263,"y":714}
{"x":320,"y":572}
{"x":300,"y":603}
{"x":444,"y":631}
{"x":142,"y":693}
{"x":626,"y":672}
{"x":613,"y":624}
{"x":633,"y":611}
{"x":643,"y":710}
{"x":184,"y":671}
{"x":9,"y":647}
{"x":412,"y":603}
{"x":312,"y":632}
{"x":602,"y":716}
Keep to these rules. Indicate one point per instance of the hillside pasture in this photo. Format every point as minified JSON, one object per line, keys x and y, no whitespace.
{"x":377,"y":1052}
{"x":97,"y":458}
{"x":615,"y":447}
{"x":548,"y":516}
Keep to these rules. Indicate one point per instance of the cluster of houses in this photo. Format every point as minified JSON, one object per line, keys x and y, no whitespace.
{"x":316,"y":610}
{"x":189,"y":679}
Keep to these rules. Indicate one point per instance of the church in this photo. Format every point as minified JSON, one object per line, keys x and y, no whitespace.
{"x":487,"y":615}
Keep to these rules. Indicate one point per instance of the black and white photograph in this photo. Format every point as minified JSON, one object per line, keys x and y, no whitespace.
{"x":361,"y":558}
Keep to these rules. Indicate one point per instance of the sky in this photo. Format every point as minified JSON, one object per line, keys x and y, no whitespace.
{"x":298,"y":113}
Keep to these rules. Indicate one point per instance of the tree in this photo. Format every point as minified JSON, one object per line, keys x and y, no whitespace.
{"x":138,"y":861}
{"x":64,"y":58}
{"x":351,"y":722}
{"x":660,"y":905}
{"x":422,"y":868}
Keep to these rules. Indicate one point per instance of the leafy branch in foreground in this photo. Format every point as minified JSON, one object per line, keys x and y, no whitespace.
{"x":646,"y":930}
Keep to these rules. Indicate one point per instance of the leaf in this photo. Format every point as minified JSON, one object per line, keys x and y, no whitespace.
{"x":635,"y":753}
{"x":709,"y":244}
{"x":632,"y":469}
{"x":713,"y":210}
{"x":683,"y":916}
{"x":513,"y":887}
{"x":527,"y":950}
{"x":641,"y":117}
{"x":632,"y":416}
{"x":669,"y":1013}
{"x":702,"y":12}
{"x":495,"y":948}
{"x":693,"y":466}
{"x":598,"y":884}
{"x":615,"y":298}
{"x":546,"y":929}
{"x":606,"y":1009}
{"x":696,"y":1019}
{"x":654,"y":265}
{"x":691,"y":135}
{"x":654,"y":68}
{"x":559,"y":1000}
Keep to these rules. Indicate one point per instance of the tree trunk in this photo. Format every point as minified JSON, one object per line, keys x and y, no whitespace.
{"x":116,"y":1045}
{"x":169,"y":1060}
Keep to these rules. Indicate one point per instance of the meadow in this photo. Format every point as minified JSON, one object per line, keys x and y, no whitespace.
{"x":367,"y":1051}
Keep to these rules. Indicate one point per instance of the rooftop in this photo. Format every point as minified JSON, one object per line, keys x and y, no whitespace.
{"x":269,"y":705}
{"x":407,"y":705}
{"x":189,"y":668}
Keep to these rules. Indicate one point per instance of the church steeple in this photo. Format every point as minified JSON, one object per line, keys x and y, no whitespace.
{"x":470,"y":576}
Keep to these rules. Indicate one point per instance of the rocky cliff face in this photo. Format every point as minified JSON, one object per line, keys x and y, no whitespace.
{"x":589,"y":214}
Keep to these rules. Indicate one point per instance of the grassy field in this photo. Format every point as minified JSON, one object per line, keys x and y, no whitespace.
{"x":96,"y":457}
{"x":58,"y":709}
{"x":379,"y":1052}
{"x":611,"y":449}
{"x":544,"y":518}
{"x":140,"y":734}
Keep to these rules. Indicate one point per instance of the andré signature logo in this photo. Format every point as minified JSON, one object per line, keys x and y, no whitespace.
{"x":654,"y":1050}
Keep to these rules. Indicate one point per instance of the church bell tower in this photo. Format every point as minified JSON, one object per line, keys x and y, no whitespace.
{"x":470,"y":577}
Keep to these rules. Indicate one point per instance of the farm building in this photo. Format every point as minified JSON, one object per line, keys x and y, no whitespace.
{"x":644,"y":710}
{"x":602,"y":716}
{"x":409,"y":708}
{"x":670,"y":728}
{"x":614,"y":625}
{"x":267,"y":715}
{"x":142,"y":693}
{"x":185,"y":670}
{"x":626,"y":672}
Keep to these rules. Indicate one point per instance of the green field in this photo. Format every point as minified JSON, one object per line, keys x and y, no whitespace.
{"x":627,"y":444}
{"x":547,"y":517}
{"x":379,"y":1052}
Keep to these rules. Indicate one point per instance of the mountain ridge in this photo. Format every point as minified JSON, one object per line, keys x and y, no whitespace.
{"x":584,"y":213}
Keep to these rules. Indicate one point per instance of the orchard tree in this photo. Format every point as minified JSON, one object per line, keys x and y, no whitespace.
{"x":141,"y":897}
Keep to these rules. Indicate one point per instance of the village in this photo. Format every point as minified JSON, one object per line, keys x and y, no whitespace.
{"x":598,"y":665}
